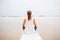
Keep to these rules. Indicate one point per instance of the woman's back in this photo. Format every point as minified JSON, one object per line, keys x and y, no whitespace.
{"x":29,"y":32}
{"x":29,"y":27}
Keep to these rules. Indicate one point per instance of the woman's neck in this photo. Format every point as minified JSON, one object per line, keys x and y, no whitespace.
{"x":29,"y":18}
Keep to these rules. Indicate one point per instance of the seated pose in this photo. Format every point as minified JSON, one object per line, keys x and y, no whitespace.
{"x":29,"y":13}
{"x":29,"y":27}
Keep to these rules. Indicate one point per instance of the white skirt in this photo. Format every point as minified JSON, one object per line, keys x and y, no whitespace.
{"x":33,"y":36}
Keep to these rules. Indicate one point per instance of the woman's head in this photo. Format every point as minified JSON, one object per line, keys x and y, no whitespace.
{"x":29,"y":13}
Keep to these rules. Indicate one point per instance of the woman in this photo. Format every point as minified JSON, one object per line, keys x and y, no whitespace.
{"x":29,"y":28}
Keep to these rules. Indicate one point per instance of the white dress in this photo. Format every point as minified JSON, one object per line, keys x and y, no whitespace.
{"x":29,"y":32}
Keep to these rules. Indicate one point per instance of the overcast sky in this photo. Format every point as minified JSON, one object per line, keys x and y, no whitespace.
{"x":49,"y":8}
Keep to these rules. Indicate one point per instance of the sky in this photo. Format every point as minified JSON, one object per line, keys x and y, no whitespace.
{"x":44,"y":8}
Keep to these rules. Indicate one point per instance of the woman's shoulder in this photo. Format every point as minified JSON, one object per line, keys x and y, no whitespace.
{"x":24,"y":19}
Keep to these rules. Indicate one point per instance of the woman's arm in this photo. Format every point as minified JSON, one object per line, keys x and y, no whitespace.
{"x":35,"y":25}
{"x":34,"y":21}
{"x":24,"y":21}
